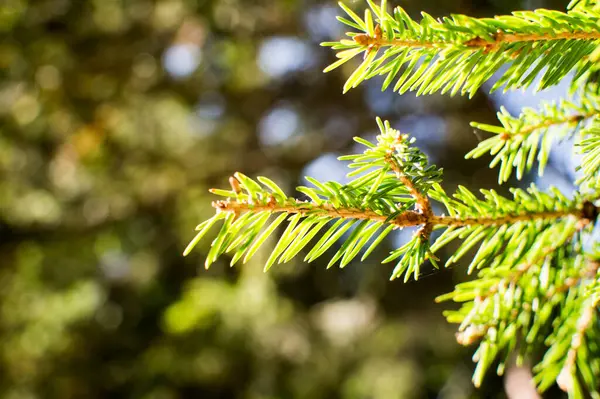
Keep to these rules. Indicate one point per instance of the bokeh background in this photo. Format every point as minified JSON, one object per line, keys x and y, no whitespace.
{"x":116,"y":116}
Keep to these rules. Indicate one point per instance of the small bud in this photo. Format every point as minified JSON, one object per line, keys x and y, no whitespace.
{"x":362,"y":39}
{"x":378,"y":32}
{"x":565,"y":379}
{"x":220,"y":206}
{"x":235,"y":185}
{"x":469,"y":336}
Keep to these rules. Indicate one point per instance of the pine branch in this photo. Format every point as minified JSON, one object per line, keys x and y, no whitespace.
{"x":459,"y":53}
{"x":514,"y":276}
{"x":502,"y":220}
{"x":292,"y":206}
{"x":588,"y":272}
{"x":572,"y":358}
{"x":520,"y":141}
{"x":567,"y":376}
{"x":509,"y":306}
{"x":405,"y":219}
{"x":393,"y":188}
{"x":397,"y":168}
{"x":421,"y":202}
{"x":513,"y":299}
{"x":490,"y":44}
{"x":489,"y":287}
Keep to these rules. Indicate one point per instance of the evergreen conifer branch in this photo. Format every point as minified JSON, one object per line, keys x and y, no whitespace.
{"x":523,"y":140}
{"x":518,"y":312}
{"x":512,"y":276}
{"x":588,"y":272}
{"x":573,"y":356}
{"x":459,"y":53}
{"x":422,"y":202}
{"x":393,"y":188}
{"x":567,"y":378}
{"x":506,"y":306}
{"x":407,"y":218}
{"x":508,"y":294}
{"x":490,"y":44}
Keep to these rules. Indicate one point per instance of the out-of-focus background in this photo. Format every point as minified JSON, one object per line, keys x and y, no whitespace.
{"x":116,"y":116}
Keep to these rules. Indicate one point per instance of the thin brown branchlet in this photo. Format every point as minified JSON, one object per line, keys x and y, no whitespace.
{"x":498,"y":39}
{"x":569,"y":120}
{"x":422,"y":204}
{"x":408,"y":218}
{"x":513,"y":278}
{"x":589,"y":272}
{"x":586,"y":318}
{"x":475,"y":332}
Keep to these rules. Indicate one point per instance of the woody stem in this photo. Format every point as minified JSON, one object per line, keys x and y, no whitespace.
{"x":499,"y":39}
{"x":406,"y":219}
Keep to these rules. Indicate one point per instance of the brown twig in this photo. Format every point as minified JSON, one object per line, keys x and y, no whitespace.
{"x":406,"y":219}
{"x":501,"y":38}
{"x":589,"y":272}
{"x":473,"y":332}
{"x":422,"y":204}
{"x":521,"y":269}
{"x":476,"y":43}
{"x":573,"y":119}
{"x":565,"y":378}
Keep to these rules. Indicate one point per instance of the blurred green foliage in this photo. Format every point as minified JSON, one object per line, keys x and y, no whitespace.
{"x":115,"y":118}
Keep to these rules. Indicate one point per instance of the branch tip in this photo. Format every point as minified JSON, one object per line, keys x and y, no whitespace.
{"x":235,"y":184}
